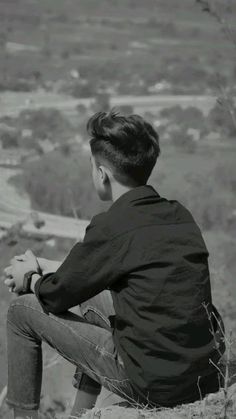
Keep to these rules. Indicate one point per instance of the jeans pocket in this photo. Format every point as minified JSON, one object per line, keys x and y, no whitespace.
{"x":96,"y":317}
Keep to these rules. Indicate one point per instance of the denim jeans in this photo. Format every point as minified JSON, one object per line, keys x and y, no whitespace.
{"x":84,"y":339}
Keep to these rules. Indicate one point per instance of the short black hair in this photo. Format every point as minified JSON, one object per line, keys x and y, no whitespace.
{"x":129,"y":144}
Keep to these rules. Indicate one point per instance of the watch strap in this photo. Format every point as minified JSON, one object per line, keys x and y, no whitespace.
{"x":27,"y":281}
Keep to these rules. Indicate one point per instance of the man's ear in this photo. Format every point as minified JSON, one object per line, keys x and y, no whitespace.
{"x":103,"y":174}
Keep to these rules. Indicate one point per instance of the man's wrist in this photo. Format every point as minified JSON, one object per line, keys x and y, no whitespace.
{"x":34,"y":279}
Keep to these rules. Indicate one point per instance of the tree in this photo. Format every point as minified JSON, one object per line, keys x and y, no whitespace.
{"x":81,"y":109}
{"x":46,"y":124}
{"x":221,"y":119}
{"x":180,"y":138}
{"x":3,"y":53}
{"x":9,"y":139}
{"x":218,"y":11}
{"x":190,"y":117}
{"x":61,"y":183}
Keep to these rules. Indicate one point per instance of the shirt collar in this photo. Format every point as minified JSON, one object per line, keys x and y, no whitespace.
{"x":139,"y":192}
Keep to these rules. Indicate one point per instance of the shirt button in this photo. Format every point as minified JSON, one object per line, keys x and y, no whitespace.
{"x":54,"y":280}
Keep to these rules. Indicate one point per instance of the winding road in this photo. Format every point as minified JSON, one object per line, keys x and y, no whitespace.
{"x":15,"y":208}
{"x":12,"y":103}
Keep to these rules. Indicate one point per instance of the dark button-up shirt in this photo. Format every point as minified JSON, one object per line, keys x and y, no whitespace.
{"x":150,"y":253}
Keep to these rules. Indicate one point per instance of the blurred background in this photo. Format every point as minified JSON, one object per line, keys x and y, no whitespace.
{"x":62,"y":60}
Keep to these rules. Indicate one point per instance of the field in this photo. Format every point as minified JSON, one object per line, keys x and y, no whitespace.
{"x":112,"y":41}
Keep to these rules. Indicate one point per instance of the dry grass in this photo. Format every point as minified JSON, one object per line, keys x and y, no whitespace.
{"x":212,"y":407}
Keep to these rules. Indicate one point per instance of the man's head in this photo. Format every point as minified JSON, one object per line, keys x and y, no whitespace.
{"x":124,"y":150}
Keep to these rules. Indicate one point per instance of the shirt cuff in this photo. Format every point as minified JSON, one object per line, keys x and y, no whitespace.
{"x":37,"y":291}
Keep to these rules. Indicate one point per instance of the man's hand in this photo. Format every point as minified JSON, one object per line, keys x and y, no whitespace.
{"x":16,"y":271}
{"x":46,"y":265}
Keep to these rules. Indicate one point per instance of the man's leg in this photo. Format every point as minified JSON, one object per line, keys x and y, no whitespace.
{"x":97,"y":310}
{"x":86,"y":345}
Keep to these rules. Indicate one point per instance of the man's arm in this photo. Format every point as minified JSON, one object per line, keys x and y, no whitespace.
{"x":46,"y":266}
{"x":90,"y":267}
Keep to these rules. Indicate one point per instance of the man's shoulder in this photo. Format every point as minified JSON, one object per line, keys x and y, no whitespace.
{"x":99,"y":219}
{"x":131,"y":219}
{"x":98,"y":224}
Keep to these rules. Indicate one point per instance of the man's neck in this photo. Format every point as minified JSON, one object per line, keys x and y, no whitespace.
{"x":118,"y":190}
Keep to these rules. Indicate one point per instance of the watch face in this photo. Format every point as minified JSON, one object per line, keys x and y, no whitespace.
{"x":27,"y":281}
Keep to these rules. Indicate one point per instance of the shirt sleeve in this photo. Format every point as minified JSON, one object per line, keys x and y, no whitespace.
{"x":90,"y":267}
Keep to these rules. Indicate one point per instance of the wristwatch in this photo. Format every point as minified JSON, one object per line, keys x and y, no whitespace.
{"x":27,"y":281}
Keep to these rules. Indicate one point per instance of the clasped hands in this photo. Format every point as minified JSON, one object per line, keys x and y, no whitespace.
{"x":21,"y":264}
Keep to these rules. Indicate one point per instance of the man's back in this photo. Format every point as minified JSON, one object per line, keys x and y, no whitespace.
{"x":162,"y":296}
{"x":150,"y":253}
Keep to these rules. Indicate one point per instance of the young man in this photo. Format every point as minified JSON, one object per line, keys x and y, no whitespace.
{"x":158,"y":343}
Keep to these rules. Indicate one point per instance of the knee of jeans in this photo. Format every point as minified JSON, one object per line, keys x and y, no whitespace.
{"x":26,"y":300}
